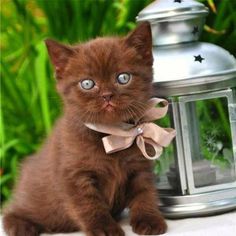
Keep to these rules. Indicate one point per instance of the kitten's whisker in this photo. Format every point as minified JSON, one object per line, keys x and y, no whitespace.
{"x":138,"y":111}
{"x":88,"y":115}
{"x":141,"y":105}
{"x":93,"y":118}
{"x":130,"y":114}
{"x":134,"y":115}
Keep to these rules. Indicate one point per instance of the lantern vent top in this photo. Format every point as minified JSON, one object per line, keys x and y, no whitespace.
{"x":161,"y":10}
{"x":174,"y":21}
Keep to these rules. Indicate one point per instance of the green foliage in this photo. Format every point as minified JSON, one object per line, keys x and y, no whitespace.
{"x":222,"y":23}
{"x":29,"y":103}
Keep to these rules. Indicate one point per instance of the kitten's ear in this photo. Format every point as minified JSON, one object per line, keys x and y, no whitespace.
{"x":59,"y":55}
{"x":141,"y":40}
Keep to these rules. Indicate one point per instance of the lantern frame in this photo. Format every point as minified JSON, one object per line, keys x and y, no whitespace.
{"x":231,"y":101}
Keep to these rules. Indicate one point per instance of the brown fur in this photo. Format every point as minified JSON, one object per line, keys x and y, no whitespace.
{"x":72,"y":184}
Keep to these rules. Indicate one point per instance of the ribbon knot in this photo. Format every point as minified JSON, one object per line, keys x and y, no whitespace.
{"x":122,"y":136}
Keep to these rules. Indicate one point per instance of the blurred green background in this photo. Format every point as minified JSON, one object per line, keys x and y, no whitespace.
{"x":29,"y":103}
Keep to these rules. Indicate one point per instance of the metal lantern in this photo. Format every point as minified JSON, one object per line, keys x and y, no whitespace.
{"x":198,"y":172}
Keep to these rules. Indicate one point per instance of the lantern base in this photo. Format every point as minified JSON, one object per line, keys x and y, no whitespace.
{"x":203,"y":204}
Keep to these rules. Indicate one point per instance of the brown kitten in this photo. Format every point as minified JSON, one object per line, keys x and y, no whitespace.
{"x":72,"y":184}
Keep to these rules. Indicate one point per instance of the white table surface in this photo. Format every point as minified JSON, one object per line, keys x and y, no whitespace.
{"x":219,"y":225}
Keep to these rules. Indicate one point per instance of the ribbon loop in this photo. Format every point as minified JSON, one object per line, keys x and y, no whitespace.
{"x":122,"y":136}
{"x":140,"y":141}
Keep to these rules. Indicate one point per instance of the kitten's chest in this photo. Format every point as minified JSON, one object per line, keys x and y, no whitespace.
{"x":114,"y":184}
{"x":116,"y":173}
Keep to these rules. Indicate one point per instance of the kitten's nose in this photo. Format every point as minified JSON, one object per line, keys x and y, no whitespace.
{"x":107,"y":96}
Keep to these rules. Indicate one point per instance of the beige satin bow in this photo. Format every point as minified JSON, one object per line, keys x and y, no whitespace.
{"x":123,"y":135}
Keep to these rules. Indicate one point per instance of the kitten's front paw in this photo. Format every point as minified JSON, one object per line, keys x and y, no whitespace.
{"x":112,"y":229}
{"x":149,"y":224}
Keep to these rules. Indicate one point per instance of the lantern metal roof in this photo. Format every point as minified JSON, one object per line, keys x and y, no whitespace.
{"x":177,"y":9}
{"x":181,"y":64}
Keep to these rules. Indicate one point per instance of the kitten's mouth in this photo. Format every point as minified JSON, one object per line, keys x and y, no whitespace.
{"x":108,"y":106}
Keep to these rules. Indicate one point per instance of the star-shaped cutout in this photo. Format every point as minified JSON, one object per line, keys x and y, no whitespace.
{"x":179,"y":1}
{"x":195,"y":30}
{"x":199,"y":58}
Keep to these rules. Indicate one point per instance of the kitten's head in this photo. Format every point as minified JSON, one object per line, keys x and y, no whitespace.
{"x":105,"y":80}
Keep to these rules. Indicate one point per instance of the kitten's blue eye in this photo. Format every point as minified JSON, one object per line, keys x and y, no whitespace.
{"x":124,"y":78}
{"x":87,"y":84}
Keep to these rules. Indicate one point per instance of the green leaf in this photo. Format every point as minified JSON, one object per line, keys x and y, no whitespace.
{"x":41,"y":77}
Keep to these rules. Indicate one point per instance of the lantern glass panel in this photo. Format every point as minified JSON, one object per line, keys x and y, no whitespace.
{"x":210,"y":142}
{"x":165,"y":167}
{"x":166,"y":177}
